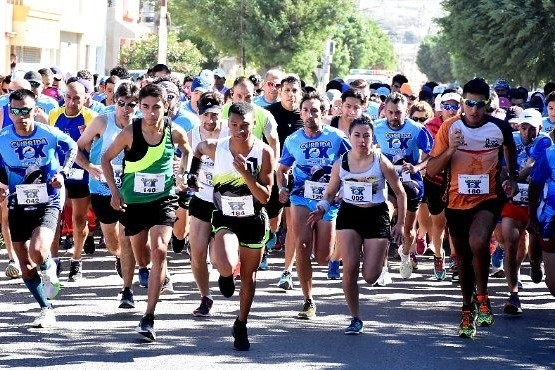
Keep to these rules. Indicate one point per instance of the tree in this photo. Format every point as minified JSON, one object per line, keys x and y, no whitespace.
{"x":434,"y":59}
{"x":182,"y":56}
{"x":289,"y":34}
{"x":494,"y":39}
{"x":361,"y":44}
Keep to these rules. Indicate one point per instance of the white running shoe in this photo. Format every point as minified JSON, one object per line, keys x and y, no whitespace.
{"x":385,"y":278}
{"x":46,"y":318}
{"x":405,"y":269}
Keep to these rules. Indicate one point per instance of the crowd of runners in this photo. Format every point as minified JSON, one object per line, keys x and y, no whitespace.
{"x":464,"y":174}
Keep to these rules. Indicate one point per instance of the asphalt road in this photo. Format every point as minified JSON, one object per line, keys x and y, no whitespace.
{"x":408,"y":324}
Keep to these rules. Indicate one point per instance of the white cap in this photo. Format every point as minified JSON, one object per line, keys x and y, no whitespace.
{"x":438,"y":89}
{"x":219,"y":72}
{"x":450,"y":96}
{"x":437,"y":103}
{"x":531,"y":117}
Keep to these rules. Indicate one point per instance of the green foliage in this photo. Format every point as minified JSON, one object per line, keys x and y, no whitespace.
{"x":290,"y":34}
{"x":494,"y":39}
{"x":434,"y":59}
{"x":361,"y":44}
{"x":182,"y":56}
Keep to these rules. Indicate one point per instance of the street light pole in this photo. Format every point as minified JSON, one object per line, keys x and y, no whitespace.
{"x":163,"y":33}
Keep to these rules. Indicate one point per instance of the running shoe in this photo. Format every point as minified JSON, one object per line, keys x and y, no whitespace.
{"x":75,"y":271}
{"x":12,"y":270}
{"x":204,"y":309}
{"x":146,"y":327}
{"x":50,"y":281}
{"x":144,"y":272}
{"x":59,"y":266}
{"x":421,"y":246}
{"x":308,"y":311}
{"x":439,"y":271}
{"x":536,"y":272}
{"x":405,"y":268}
{"x":167,"y":285}
{"x":355,"y":328}
{"x":118,"y":266}
{"x":89,"y":247}
{"x":241,"y":339}
{"x":264,"y":261}
{"x":333,"y":270}
{"x":286,"y":281}
{"x":453,"y":266}
{"x":497,"y":258}
{"x":46,"y":318}
{"x":429,"y":251}
{"x":498,"y":273}
{"x":484,"y":316}
{"x":271,"y":243}
{"x":177,"y":245}
{"x":467,"y":328}
{"x":127,"y":300}
{"x":413,"y":261}
{"x":384,"y":278}
{"x":512,"y":307}
{"x":226,"y":285}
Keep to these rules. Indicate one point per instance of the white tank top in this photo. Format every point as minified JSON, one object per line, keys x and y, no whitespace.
{"x":206,"y":173}
{"x":365,"y":188}
{"x":232,"y":196}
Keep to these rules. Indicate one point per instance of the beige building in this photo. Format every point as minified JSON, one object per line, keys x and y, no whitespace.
{"x":70,"y":34}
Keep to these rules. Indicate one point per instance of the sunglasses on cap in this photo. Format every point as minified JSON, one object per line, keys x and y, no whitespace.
{"x":21,"y":111}
{"x":122,"y":104}
{"x":419,"y":119}
{"x":34,"y":84}
{"x":450,"y":106}
{"x":171,"y":96}
{"x":410,"y":97}
{"x":475,"y":103}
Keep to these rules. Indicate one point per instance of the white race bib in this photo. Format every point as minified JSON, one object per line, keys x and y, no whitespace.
{"x":31,"y":194}
{"x":474,"y":184}
{"x":76,"y":174}
{"x":237,"y":206}
{"x":149,"y":183}
{"x":118,"y":170}
{"x":205,"y":177}
{"x":314,"y":190}
{"x":404,"y":176}
{"x":357,"y":192}
{"x":522,"y":196}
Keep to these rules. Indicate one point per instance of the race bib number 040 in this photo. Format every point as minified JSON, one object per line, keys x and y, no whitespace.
{"x":474,"y":184}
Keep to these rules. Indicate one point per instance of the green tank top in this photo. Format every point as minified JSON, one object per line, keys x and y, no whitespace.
{"x":148,"y":169}
{"x":259,"y":117}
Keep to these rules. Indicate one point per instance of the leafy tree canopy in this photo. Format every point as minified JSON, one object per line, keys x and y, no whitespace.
{"x":182,"y":56}
{"x":495,"y":39}
{"x":290,"y":34}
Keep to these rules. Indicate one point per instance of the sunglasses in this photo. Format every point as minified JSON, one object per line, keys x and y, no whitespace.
{"x":419,"y":119}
{"x":122,"y":104}
{"x":450,"y":107}
{"x":272,"y":84}
{"x":34,"y":84}
{"x":475,"y":103}
{"x":171,"y":96}
{"x":21,"y":111}
{"x":411,"y":97}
